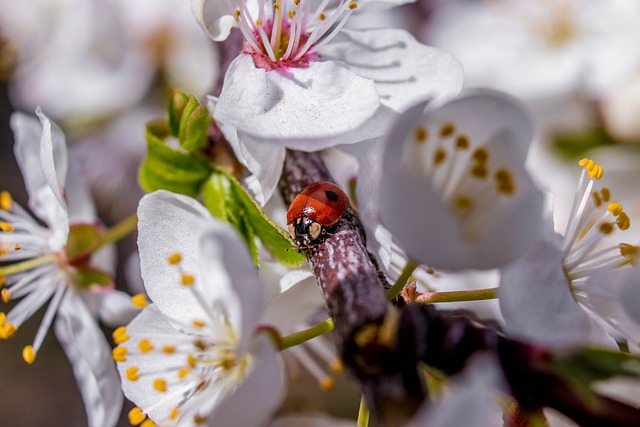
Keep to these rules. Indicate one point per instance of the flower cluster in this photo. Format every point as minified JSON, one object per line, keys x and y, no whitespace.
{"x":213,"y":314}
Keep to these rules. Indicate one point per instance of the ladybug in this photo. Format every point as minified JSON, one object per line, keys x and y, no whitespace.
{"x":313,"y":211}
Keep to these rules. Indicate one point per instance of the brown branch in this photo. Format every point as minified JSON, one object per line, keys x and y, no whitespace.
{"x":358,"y":304}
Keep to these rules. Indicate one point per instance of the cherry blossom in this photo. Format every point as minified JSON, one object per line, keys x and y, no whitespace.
{"x":49,"y":263}
{"x":304,"y":82}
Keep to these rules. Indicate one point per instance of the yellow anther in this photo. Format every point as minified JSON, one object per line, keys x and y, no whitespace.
{"x":3,"y":319}
{"x":182,"y":373}
{"x":462,"y":205}
{"x":191,"y":361}
{"x":336,"y":367}
{"x":132,"y":373}
{"x":120,"y":335}
{"x":7,"y":331}
{"x":174,"y":258}
{"x":615,"y":208}
{"x":169,"y":349}
{"x":258,"y":22}
{"x":148,"y":423}
{"x":296,"y":2}
{"x":585,"y":162}
{"x":236,"y":14}
{"x":292,"y":13}
{"x":421,"y":134}
{"x":6,"y":295}
{"x":17,"y":247}
{"x":505,"y":182}
{"x":119,"y":354}
{"x":145,"y":345}
{"x":326,"y":383}
{"x":480,"y":155}
{"x":479,"y":171}
{"x":353,"y":5}
{"x":322,"y":17}
{"x":200,"y":419}
{"x":597,"y":199}
{"x":139,"y":301}
{"x":6,"y":227}
{"x":198,"y":324}
{"x":174,"y":413}
{"x":447,"y":129}
{"x":29,"y":354}
{"x":188,"y":279}
{"x":627,"y":250}
{"x":596,"y":173}
{"x":606,"y":194}
{"x":462,"y":142}
{"x":5,"y":201}
{"x":4,"y":249}
{"x":160,"y":385}
{"x":136,"y":416}
{"x":439,"y":156}
{"x":3,"y":280}
{"x":605,"y":228}
{"x":623,"y":222}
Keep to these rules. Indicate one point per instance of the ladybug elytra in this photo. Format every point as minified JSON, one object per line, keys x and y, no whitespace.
{"x":317,"y":207}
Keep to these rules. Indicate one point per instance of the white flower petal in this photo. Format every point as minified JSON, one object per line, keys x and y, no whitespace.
{"x":264,"y":161}
{"x":323,"y":100}
{"x":430,"y":226}
{"x":79,"y":200}
{"x":259,"y":394}
{"x":211,"y":251}
{"x":152,"y":325}
{"x":213,"y":17}
{"x":294,"y":306}
{"x":537,"y":304}
{"x":231,"y":280}
{"x":367,"y":193}
{"x":614,"y":296}
{"x":470,"y":402}
{"x":90,"y":357}
{"x":116,"y":309}
{"x":405,"y":71}
{"x":41,"y":153}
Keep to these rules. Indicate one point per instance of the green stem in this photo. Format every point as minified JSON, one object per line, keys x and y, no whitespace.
{"x":458,"y":296}
{"x":118,"y":231}
{"x":395,"y":290}
{"x":363,"y":413}
{"x":19,"y":267}
{"x":306,"y":334}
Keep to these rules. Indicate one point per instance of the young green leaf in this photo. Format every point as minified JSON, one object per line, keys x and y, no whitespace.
{"x":170,"y":168}
{"x":227,"y":199}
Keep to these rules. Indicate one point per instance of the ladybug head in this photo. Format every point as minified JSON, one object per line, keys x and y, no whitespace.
{"x":306,"y":233}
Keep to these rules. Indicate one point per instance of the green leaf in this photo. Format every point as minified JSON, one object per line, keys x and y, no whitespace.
{"x":191,"y":106}
{"x":226,"y":198}
{"x":197,"y":129}
{"x":171,"y":168}
{"x":177,"y":102}
{"x":219,"y":197}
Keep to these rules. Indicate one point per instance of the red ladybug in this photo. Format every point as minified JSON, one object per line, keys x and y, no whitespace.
{"x":317,"y":207}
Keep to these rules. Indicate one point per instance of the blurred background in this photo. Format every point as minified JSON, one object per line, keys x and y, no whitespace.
{"x":102,"y":68}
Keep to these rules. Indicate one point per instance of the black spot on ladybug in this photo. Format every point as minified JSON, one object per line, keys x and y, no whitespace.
{"x":331,"y":195}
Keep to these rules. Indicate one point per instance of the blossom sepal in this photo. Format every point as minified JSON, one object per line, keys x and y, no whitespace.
{"x":189,"y":121}
{"x":227,"y":199}
{"x":170,"y":167}
{"x":83,"y":240}
{"x":91,"y":279}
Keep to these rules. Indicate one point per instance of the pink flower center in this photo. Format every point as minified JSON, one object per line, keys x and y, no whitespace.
{"x":288,"y":33}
